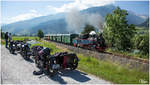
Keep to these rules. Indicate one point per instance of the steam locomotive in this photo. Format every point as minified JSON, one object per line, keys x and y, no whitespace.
{"x":87,"y":41}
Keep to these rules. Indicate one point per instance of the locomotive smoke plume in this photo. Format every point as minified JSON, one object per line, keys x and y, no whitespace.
{"x":95,"y":20}
{"x":76,"y":21}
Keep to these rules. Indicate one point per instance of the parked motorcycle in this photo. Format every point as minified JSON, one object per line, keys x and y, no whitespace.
{"x":25,"y":51}
{"x":12,"y":47}
{"x":54,"y":63}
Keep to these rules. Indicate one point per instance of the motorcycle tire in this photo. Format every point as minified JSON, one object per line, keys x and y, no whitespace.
{"x":12,"y":51}
{"x":37,"y":63}
{"x":75,"y":64}
{"x":52,"y":72}
{"x":26,"y":56}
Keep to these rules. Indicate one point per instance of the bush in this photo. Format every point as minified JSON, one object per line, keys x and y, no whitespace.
{"x":2,"y":35}
{"x":142,"y":43}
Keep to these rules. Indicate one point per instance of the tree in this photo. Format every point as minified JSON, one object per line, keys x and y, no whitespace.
{"x":2,"y":34}
{"x":40,"y":33}
{"x":88,"y":29}
{"x":117,"y":32}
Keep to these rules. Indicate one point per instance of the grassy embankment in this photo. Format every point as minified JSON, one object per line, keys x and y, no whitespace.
{"x":106,"y":70}
{"x":127,"y":53}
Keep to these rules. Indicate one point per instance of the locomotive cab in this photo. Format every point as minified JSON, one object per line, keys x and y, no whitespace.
{"x":101,"y":46}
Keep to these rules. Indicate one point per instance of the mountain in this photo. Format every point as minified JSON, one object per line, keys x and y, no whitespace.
{"x":144,"y":24}
{"x":57,"y":24}
{"x":24,"y":27}
{"x":52,"y":26}
{"x":104,"y":10}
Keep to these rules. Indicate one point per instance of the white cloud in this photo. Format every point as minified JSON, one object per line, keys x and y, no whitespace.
{"x":32,"y":13}
{"x":77,"y":4}
{"x":80,"y":4}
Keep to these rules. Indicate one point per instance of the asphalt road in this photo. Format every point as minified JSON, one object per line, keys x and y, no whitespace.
{"x":16,"y":70}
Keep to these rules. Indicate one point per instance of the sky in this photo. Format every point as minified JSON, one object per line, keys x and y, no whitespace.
{"x":13,"y":11}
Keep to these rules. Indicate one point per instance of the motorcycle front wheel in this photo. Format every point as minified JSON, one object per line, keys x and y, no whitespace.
{"x":52,"y":72}
{"x":11,"y":51}
{"x":37,"y":63}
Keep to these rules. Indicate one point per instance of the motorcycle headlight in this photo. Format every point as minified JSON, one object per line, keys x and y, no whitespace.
{"x":54,"y":61}
{"x":22,"y":45}
{"x":13,"y":45}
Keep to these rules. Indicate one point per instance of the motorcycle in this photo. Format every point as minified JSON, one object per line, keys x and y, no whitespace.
{"x":54,"y":63}
{"x":18,"y":45}
{"x":65,"y":60}
{"x":12,"y":47}
{"x":25,"y":51}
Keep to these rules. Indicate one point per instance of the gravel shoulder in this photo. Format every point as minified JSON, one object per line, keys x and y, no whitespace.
{"x":16,"y":70}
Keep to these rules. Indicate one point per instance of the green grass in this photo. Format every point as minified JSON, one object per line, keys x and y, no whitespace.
{"x":126,"y":53}
{"x":106,"y":70}
{"x":110,"y":71}
{"x":49,"y":45}
{"x":24,"y":38}
{"x":141,"y":29}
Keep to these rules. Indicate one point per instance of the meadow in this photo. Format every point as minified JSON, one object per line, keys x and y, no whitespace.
{"x":24,"y":38}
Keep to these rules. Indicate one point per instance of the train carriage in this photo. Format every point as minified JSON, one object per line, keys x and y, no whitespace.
{"x":54,"y":37}
{"x":59,"y":38}
{"x":46,"y":37}
{"x":73,"y":39}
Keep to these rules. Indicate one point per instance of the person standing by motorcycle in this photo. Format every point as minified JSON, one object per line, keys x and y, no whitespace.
{"x":10,"y":37}
{"x":6,"y":39}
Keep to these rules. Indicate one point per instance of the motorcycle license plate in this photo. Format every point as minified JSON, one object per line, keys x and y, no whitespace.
{"x":56,"y":66}
{"x":18,"y":44}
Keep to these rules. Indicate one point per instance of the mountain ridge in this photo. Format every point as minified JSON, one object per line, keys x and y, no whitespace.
{"x":57,"y":24}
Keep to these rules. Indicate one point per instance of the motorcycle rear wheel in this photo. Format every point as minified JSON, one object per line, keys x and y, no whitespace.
{"x":75,"y":64}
